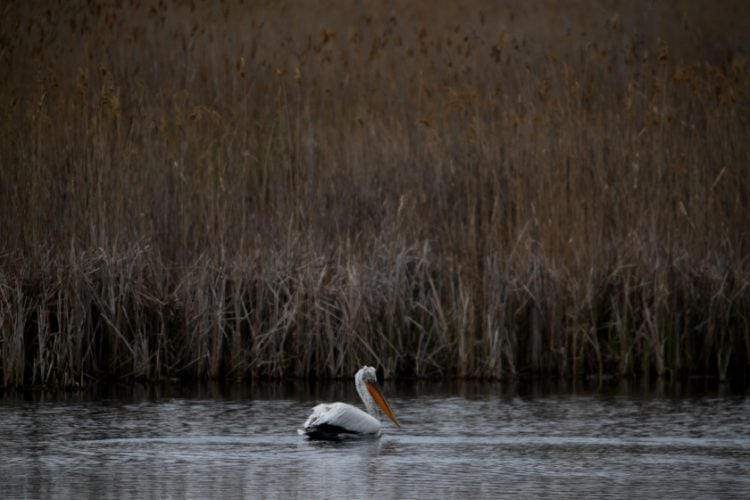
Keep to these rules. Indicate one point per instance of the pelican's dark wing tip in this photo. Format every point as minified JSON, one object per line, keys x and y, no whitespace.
{"x":328,"y":432}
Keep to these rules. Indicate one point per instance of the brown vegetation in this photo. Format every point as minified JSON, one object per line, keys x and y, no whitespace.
{"x":281,"y":189}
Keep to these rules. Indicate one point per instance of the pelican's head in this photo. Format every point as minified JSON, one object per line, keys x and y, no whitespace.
{"x":366,"y":377}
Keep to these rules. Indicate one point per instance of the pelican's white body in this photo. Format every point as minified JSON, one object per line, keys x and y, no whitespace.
{"x":345,"y":416}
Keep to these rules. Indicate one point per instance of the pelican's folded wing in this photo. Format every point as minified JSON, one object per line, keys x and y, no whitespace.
{"x":341,"y":418}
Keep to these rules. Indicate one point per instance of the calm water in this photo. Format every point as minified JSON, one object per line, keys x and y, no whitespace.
{"x":458,"y":440}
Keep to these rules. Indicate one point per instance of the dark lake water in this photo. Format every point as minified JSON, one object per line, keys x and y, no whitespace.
{"x":457,"y":440}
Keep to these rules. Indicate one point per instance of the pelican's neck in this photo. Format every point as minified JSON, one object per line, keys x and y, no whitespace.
{"x":364,"y":394}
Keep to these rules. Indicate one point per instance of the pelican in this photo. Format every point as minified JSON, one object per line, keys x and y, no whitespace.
{"x":341,"y":420}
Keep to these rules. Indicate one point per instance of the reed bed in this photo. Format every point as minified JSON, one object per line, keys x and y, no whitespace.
{"x":495,"y":189}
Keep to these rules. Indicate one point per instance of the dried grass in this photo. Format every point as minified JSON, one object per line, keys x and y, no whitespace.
{"x":490,"y":190}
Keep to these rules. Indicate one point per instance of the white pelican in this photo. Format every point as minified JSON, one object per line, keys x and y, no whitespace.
{"x":341,"y":420}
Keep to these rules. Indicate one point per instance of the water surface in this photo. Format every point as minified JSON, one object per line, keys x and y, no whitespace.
{"x":457,"y":440}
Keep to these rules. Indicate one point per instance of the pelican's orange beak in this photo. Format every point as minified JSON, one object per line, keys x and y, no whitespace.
{"x":377,"y":393}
